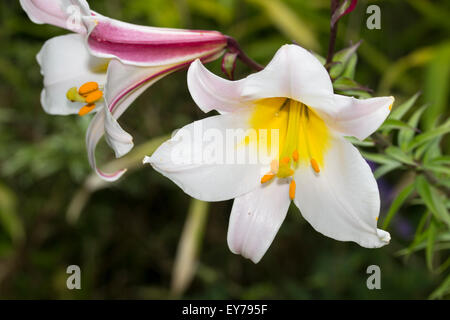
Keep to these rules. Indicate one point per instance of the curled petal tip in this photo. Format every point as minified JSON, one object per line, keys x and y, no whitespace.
{"x":384,"y":236}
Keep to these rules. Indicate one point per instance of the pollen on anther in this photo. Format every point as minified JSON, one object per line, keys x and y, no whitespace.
{"x":267,"y":177}
{"x":315,"y":165}
{"x":86,"y":109}
{"x":390,"y":107}
{"x":292,"y":187}
{"x":88,"y":87}
{"x":94,"y":96}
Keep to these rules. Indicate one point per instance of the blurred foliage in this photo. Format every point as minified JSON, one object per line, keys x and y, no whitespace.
{"x":54,"y":212}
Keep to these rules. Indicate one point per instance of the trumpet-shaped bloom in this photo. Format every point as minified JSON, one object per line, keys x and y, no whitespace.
{"x":107,"y":64}
{"x":312,"y":163}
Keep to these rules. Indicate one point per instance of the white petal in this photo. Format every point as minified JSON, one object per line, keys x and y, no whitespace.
{"x":66,"y":63}
{"x":94,"y":133}
{"x":117,"y":138}
{"x":358,"y":118}
{"x":211,"y":92}
{"x":256,"y":218}
{"x":62,"y":13}
{"x":203,"y":161}
{"x":293,"y":73}
{"x":342,"y":201}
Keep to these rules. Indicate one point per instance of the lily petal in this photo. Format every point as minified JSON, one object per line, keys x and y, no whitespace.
{"x":202,"y":162}
{"x":65,"y":63}
{"x":342,"y":201}
{"x":149,"y":46}
{"x":358,"y":118}
{"x":293,"y":73}
{"x":57,"y":12}
{"x":256,"y":218}
{"x":211,"y":92}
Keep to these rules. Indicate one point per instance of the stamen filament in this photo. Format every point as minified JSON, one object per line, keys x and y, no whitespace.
{"x":292,"y":188}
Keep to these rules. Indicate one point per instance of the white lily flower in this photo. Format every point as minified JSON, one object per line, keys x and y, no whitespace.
{"x":314,"y":165}
{"x":107,"y":64}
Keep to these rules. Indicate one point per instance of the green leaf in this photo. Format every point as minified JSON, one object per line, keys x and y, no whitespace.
{"x":428,"y":135}
{"x":429,"y":251}
{"x":399,"y":112}
{"x":390,"y":124}
{"x":9,"y":217}
{"x":385,"y":168}
{"x":379,"y":158}
{"x":357,"y":142}
{"x":404,"y":136}
{"x":436,"y":84}
{"x":289,"y":23}
{"x":397,"y":203}
{"x":432,"y":199}
{"x":342,"y":59}
{"x":442,"y":290}
{"x":398,"y":154}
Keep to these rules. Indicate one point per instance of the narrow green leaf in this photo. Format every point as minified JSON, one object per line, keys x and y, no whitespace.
{"x":397,"y":203}
{"x":390,"y":124}
{"x":398,"y":154}
{"x":385,"y":168}
{"x":399,"y":112}
{"x":404,"y":136}
{"x":379,"y":158}
{"x":429,"y":251}
{"x":428,"y":135}
{"x":432,"y":199}
{"x":442,"y":290}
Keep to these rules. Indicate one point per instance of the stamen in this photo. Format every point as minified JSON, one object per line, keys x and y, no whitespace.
{"x":94,"y":96}
{"x":390,"y":107}
{"x":274,"y":166}
{"x":88,"y":87}
{"x":73,"y":95}
{"x":285,"y":160}
{"x":314,"y":165}
{"x":292,"y":187}
{"x":267,"y":177}
{"x":284,"y":172}
{"x":295,"y":155}
{"x":86,"y":109}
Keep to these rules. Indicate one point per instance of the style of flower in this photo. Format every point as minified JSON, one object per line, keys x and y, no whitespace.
{"x":314,"y":166}
{"x":106,"y":64}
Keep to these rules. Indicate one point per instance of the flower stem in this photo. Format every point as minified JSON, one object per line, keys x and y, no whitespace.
{"x":233,"y":46}
{"x":333,"y":35}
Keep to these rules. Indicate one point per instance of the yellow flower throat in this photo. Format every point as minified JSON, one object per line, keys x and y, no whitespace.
{"x":303,"y":137}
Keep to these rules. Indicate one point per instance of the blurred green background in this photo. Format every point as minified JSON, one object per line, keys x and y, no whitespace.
{"x":125,"y":236}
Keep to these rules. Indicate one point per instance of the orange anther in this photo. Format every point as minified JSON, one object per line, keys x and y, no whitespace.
{"x":94,"y":96}
{"x":315,"y":165}
{"x":267,"y":177}
{"x":295,"y":155}
{"x":86,"y":109}
{"x":88,"y":87}
{"x":390,"y":107}
{"x":292,"y":189}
